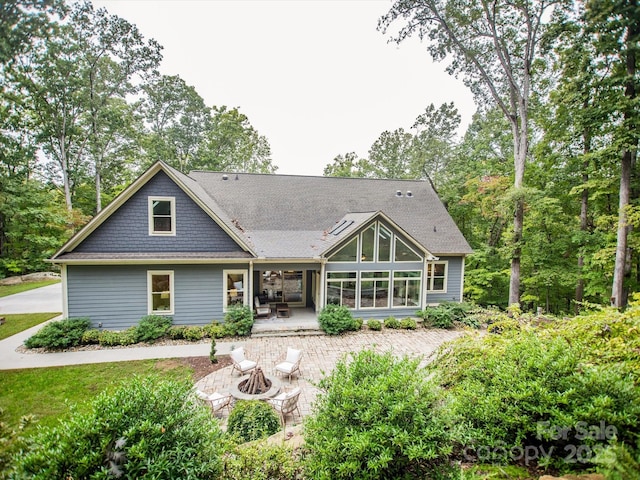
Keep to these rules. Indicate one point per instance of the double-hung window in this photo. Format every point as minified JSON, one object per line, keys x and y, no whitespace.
{"x":162,"y":216}
{"x":160,"y":292}
{"x":436,"y":276}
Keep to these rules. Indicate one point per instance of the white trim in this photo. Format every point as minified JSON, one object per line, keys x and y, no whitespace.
{"x":419,"y":278}
{"x":172,"y":292}
{"x":245,"y":286}
{"x":429,"y":280}
{"x":374,"y":279}
{"x":172,"y":203}
{"x":65,"y":292}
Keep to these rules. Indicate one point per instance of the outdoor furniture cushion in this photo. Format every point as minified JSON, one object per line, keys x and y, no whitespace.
{"x":291,"y":363}
{"x":241,"y":363}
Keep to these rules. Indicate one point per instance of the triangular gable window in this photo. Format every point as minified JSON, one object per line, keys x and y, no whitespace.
{"x":348,"y":253}
{"x":404,"y":253}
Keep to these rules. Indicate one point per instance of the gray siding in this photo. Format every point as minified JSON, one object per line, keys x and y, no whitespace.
{"x":127,"y":229}
{"x":454,"y":282}
{"x":116,"y":296}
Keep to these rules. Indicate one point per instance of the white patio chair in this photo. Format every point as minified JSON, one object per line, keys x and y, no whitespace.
{"x":217,"y":401}
{"x":240,"y":362}
{"x":286,"y":403}
{"x":291,"y":363}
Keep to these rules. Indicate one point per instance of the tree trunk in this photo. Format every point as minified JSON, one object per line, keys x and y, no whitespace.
{"x":98,"y":188}
{"x":584,"y":204}
{"x":618,"y":297}
{"x":520,"y":142}
{"x":64,"y":164}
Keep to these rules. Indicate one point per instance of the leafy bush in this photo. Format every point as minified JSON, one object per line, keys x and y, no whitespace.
{"x":391,"y":322}
{"x":152,"y":327}
{"x":541,"y":387}
{"x":146,"y":428}
{"x":445,"y":314}
{"x":215,"y":330}
{"x":238,"y":321}
{"x":408,"y":324}
{"x":379,"y":417}
{"x":59,"y":335}
{"x":176,"y":332}
{"x":374,"y":324}
{"x":194,"y":333}
{"x":358,"y":324}
{"x":336,"y":319}
{"x":260,"y":461}
{"x":90,"y":337}
{"x":252,"y":420}
{"x":111,"y":338}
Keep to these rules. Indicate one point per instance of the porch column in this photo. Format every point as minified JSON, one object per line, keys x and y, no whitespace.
{"x":321,"y":285}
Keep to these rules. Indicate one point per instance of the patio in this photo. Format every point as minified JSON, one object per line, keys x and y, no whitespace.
{"x":320,"y":354}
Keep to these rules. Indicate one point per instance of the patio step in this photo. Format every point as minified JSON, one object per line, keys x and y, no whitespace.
{"x":279,"y":327}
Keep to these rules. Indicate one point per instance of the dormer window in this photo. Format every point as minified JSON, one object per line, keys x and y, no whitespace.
{"x":162,"y":216}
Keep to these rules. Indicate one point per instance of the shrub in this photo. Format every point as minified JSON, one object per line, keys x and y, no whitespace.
{"x":374,"y":324}
{"x":261,"y":461}
{"x":59,"y":335}
{"x":378,"y":417}
{"x":336,"y":319}
{"x":541,"y":387}
{"x":176,"y":332}
{"x":193,"y":333}
{"x":215,"y":330}
{"x":391,"y":322}
{"x":358,"y":324}
{"x":445,"y":314}
{"x":252,"y":420}
{"x":90,"y":337}
{"x":152,"y":327}
{"x":408,"y":324}
{"x":111,"y":338}
{"x":212,"y":352}
{"x":238,"y":321}
{"x":146,"y":428}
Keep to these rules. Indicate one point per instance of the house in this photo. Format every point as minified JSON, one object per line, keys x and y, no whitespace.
{"x":190,"y":246}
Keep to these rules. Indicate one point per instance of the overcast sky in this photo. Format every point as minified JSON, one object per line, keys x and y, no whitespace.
{"x":315,"y":77}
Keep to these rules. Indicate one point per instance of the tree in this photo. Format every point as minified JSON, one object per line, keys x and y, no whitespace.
{"x":616,"y":29}
{"x":178,"y":120}
{"x":112,"y":54}
{"x":493,"y":44}
{"x":347,"y":165}
{"x":233,"y":144}
{"x":434,"y":141}
{"x":70,"y":78}
{"x":390,"y":155}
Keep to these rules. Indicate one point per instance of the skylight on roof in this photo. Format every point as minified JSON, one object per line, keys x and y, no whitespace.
{"x":341,"y":227}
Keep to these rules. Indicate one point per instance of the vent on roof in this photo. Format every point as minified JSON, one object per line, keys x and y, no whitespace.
{"x":409,"y":194}
{"x":237,"y":178}
{"x":398,"y":193}
{"x":225,"y":177}
{"x":341,"y":227}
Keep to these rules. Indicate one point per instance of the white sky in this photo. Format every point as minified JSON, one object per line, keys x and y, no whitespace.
{"x":313,"y":76}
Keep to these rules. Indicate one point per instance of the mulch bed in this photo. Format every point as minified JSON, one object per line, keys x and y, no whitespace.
{"x":202,"y":366}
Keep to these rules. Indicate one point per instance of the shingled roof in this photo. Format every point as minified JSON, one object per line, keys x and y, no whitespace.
{"x":289,"y":216}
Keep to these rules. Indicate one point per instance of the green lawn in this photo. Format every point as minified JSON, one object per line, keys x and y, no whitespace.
{"x":47,"y":393}
{"x":23,"y":287}
{"x":16,"y":323}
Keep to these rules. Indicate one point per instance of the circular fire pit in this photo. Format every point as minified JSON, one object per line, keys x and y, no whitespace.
{"x":255,"y":386}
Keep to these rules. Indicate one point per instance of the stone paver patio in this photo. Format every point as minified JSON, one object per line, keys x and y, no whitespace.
{"x":320,"y":354}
